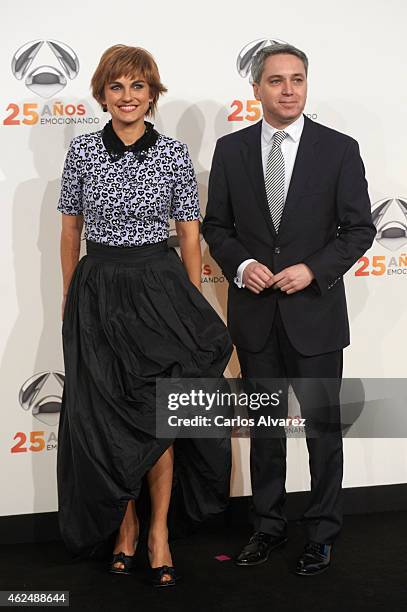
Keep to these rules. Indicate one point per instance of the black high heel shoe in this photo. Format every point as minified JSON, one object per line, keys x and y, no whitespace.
{"x":157,"y":574}
{"x":126,"y":560}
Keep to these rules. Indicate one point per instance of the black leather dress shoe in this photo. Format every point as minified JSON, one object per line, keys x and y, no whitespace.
{"x":258,"y":549}
{"x":314,"y":559}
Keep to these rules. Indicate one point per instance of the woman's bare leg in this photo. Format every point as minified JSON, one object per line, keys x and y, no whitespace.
{"x":160,"y":485}
{"x":128,"y":533}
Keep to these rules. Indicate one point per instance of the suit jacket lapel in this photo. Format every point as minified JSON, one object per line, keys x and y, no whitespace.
{"x":305,"y":165}
{"x":252,"y":159}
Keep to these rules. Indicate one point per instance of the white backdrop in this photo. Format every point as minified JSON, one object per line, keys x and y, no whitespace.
{"x":356,"y":85}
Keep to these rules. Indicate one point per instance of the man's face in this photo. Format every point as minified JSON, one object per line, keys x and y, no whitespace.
{"x":282,"y":90}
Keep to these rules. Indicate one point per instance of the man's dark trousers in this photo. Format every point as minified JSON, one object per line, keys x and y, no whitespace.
{"x":279,"y":360}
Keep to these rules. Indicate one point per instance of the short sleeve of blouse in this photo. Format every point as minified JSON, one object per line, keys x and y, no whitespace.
{"x":185,"y":200}
{"x":70,"y":199}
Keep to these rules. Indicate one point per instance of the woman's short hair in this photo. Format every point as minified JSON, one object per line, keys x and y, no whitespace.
{"x":131,"y":62}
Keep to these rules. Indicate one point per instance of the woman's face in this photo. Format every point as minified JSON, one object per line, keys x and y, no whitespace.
{"x":127,"y":100}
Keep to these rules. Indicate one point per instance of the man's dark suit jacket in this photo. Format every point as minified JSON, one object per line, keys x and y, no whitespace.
{"x":326,"y":224}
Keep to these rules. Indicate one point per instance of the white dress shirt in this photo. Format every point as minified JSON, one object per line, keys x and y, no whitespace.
{"x":289,"y":148}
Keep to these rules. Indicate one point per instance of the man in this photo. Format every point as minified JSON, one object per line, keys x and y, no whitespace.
{"x":288,"y":214}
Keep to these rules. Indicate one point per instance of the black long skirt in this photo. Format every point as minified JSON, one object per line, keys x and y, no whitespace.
{"x":132,"y":315}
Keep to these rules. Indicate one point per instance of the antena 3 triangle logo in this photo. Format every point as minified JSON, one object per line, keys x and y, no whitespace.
{"x":46,"y":67}
{"x":390,"y":218}
{"x":45,"y":80}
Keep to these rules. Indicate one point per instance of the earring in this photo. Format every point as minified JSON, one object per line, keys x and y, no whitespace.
{"x":104,"y":108}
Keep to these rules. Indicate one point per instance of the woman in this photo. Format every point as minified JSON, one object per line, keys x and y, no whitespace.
{"x":133,"y":313}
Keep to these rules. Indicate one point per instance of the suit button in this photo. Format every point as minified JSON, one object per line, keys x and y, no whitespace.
{"x":277,"y":251}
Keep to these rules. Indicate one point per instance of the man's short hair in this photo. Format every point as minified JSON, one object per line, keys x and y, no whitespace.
{"x":276,"y":49}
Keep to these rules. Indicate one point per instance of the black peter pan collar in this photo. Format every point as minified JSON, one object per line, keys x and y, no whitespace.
{"x":116,"y":147}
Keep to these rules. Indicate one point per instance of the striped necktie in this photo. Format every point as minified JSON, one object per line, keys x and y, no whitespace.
{"x":275,"y":179}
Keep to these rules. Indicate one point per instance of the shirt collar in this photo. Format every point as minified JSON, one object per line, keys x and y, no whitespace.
{"x":116,"y":147}
{"x":294,"y":130}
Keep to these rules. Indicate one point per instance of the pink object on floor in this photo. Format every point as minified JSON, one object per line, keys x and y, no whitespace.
{"x":222,"y":558}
